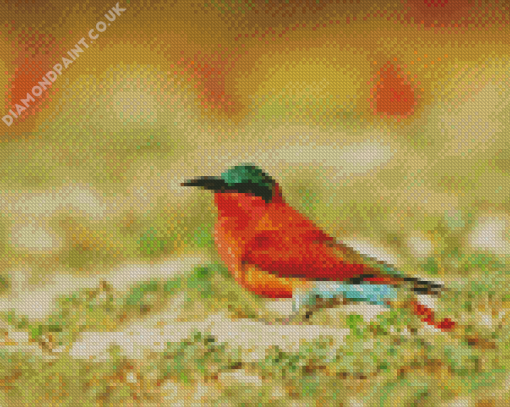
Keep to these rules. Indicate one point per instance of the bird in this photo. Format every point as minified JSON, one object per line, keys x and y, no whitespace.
{"x":274,"y":251}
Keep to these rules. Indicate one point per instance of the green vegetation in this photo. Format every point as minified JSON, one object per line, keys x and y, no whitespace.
{"x":391,"y":358}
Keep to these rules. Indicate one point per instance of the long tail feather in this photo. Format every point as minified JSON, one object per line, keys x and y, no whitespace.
{"x":417,"y":285}
{"x":385,"y":273}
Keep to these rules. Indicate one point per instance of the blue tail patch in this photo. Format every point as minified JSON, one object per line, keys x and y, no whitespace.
{"x":376,"y":294}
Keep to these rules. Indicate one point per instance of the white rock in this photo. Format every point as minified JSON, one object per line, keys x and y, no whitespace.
{"x":20,"y":337}
{"x":428,"y":300}
{"x":484,"y":318}
{"x":460,"y":402}
{"x":278,"y":392}
{"x":39,"y":302}
{"x":420,"y":245}
{"x":239,"y":377}
{"x":131,"y":378}
{"x":489,"y":234}
{"x":174,"y":393}
{"x":35,"y":238}
{"x":368,"y":311}
{"x":205,"y":393}
{"x":282,"y":306}
{"x":134,"y":340}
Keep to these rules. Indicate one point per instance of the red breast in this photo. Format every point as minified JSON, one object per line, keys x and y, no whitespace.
{"x":240,"y":218}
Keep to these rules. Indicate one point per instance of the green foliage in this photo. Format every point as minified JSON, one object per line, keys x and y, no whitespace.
{"x":354,"y":322}
{"x":152,"y":242}
{"x":171,"y":286}
{"x":202,"y":236}
{"x":197,"y":358}
{"x":4,"y":284}
{"x":430,"y":266}
{"x":402,"y":393}
{"x":281,"y":364}
{"x":201,"y":282}
{"x":481,"y":261}
{"x":138,"y":292}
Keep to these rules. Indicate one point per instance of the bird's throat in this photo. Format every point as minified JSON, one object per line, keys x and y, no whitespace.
{"x":240,"y":207}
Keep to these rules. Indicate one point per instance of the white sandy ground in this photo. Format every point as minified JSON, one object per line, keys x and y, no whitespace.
{"x":40,"y":301}
{"x":252,"y":337}
{"x":153,"y":332}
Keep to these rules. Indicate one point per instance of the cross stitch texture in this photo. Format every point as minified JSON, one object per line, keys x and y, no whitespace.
{"x":255,"y":203}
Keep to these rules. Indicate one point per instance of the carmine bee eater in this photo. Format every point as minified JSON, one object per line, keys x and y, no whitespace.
{"x":274,"y":251}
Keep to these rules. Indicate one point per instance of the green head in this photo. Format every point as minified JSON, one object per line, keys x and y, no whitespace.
{"x":245,"y":178}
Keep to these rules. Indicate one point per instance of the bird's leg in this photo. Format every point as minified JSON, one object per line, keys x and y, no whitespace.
{"x":324,"y":303}
{"x":327,"y":294}
{"x":306,"y":304}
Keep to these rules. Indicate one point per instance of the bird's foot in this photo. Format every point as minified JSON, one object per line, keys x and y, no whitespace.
{"x":304,"y":313}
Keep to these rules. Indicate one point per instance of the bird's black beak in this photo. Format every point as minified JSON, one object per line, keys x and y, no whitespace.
{"x":210,"y":183}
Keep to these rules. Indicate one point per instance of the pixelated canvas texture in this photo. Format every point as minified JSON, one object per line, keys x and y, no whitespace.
{"x":255,"y":203}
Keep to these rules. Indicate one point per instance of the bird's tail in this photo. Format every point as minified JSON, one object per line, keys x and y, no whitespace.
{"x":417,"y":285}
{"x":380,"y":272}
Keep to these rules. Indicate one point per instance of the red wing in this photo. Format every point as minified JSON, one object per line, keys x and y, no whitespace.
{"x":297,"y":248}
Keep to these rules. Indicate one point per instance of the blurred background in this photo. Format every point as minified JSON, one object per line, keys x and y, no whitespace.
{"x":385,"y":122}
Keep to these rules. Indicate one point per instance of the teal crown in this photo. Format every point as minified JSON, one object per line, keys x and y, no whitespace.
{"x":248,"y":178}
{"x":247,"y":174}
